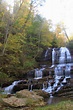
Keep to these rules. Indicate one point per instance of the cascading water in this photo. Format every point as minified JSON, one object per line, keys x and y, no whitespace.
{"x":65,"y":56}
{"x":8,"y":90}
{"x":61,"y":64}
{"x":62,"y":68}
{"x":53,"y":56}
{"x":38,"y":73}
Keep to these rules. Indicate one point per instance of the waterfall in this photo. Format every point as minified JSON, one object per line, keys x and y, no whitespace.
{"x":64,"y":62}
{"x":43,"y":86}
{"x":31,"y":87}
{"x":67,"y":70}
{"x":65,"y":56}
{"x":8,"y":90}
{"x":53,"y":56}
{"x":38,"y":73}
{"x":61,"y":70}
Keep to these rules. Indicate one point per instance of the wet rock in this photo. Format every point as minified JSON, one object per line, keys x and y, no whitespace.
{"x":65,"y":91}
{"x":19,"y":87}
{"x":61,"y":79}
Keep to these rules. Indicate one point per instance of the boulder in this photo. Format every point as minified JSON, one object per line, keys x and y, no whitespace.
{"x":14,"y":101}
{"x":28,"y":94}
{"x":23,"y":98}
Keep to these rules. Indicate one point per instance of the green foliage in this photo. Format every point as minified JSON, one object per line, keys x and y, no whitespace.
{"x":29,"y":64}
{"x":3,"y":78}
{"x":54,"y":42}
{"x":23,"y":35}
{"x":70,"y":44}
{"x":3,"y":75}
{"x":2,"y":96}
{"x":60,"y":35}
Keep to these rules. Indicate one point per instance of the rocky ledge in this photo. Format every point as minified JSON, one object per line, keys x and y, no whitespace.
{"x":23,"y":98}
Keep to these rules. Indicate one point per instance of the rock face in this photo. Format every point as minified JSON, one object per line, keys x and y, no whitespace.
{"x":46,"y":55}
{"x":66,"y":91}
{"x":24,"y":98}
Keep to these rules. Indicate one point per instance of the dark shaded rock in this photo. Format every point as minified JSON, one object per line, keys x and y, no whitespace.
{"x":61,"y":79}
{"x":52,"y":82}
{"x":5,"y":84}
{"x":37,"y":86}
{"x":31,"y":74}
{"x":45,"y":72}
{"x":19,"y":87}
{"x":44,"y":56}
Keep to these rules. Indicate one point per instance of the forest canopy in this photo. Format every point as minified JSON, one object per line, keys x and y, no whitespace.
{"x":23,"y":34}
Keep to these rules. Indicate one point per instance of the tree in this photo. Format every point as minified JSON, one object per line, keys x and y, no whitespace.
{"x":70,"y":43}
{"x":61,"y":39}
{"x":5,"y":23}
{"x":15,"y":53}
{"x":38,"y":35}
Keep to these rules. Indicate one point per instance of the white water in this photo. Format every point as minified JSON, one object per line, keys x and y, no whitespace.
{"x":38,"y":73}
{"x":62,"y":69}
{"x":64,"y":55}
{"x":8,"y":90}
{"x":31,"y":87}
{"x":49,"y":89}
{"x":53,"y":56}
{"x":43,"y":86}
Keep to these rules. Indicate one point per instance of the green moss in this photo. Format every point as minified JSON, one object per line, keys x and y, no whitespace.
{"x":3,"y":95}
{"x":30,"y":102}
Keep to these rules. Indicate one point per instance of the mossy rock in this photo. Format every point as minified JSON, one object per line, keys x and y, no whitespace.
{"x":23,"y":98}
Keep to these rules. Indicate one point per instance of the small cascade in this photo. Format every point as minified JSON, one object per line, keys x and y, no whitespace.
{"x":49,"y":89}
{"x":38,"y":73}
{"x":31,"y":87}
{"x":46,"y":53}
{"x":53,"y":56}
{"x":43,"y":86}
{"x":8,"y":90}
{"x":67,"y":71}
{"x":65,"y":56}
